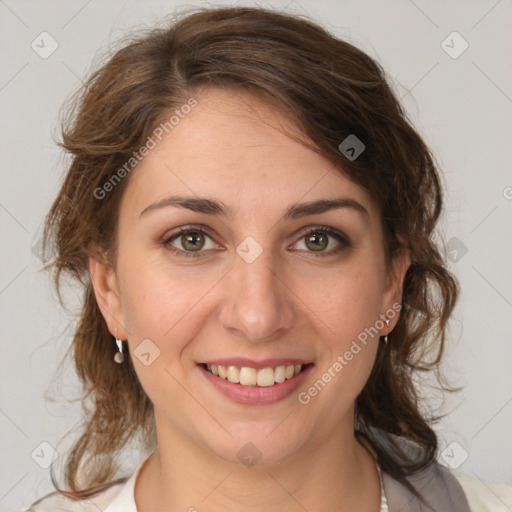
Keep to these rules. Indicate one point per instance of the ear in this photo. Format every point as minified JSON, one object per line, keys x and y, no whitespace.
{"x":104,"y":282}
{"x":395,"y":284}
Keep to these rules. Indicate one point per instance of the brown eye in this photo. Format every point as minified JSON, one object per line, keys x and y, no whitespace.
{"x":317,"y":241}
{"x":188,"y":241}
{"x":324,"y":241}
{"x":192,"y":241}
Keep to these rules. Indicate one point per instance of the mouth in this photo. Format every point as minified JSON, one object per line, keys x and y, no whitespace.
{"x":254,"y":383}
{"x":256,"y":377}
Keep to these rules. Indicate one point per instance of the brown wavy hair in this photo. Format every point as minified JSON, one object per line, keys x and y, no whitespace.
{"x":331,"y":89}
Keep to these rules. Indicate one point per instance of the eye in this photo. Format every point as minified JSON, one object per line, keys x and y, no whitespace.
{"x":318,"y":239}
{"x":187,"y":241}
{"x":191,"y":241}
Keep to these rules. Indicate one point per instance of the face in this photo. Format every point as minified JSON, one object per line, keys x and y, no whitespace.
{"x":249,"y":271}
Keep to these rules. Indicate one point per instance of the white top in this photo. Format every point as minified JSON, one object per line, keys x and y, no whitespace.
{"x":481,"y":496}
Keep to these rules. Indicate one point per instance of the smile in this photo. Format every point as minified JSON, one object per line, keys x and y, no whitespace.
{"x":249,"y":382}
{"x":247,"y":376}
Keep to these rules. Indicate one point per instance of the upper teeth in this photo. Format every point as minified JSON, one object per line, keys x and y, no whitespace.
{"x":252,"y":377}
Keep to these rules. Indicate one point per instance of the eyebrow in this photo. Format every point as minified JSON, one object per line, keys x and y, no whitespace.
{"x":218,"y":208}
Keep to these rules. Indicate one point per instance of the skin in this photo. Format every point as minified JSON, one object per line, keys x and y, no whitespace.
{"x":289,"y":302}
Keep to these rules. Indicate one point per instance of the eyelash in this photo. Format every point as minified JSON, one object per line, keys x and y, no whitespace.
{"x":344,"y":240}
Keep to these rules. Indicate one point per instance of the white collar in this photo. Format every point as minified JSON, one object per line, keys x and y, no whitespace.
{"x":125,"y":500}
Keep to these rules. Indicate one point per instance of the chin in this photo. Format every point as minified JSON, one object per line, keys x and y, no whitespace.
{"x":256,"y":448}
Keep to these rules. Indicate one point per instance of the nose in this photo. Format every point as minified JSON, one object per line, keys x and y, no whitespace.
{"x":258,"y":303}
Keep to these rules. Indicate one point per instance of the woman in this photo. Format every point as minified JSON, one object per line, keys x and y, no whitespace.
{"x":251,"y":216}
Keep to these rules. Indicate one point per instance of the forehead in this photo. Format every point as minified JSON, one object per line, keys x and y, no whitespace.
{"x":241,"y":149}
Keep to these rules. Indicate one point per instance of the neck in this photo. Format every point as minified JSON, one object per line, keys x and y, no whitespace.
{"x":336,"y":475}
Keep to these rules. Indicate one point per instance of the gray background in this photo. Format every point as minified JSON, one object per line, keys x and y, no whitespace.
{"x":461,"y":106}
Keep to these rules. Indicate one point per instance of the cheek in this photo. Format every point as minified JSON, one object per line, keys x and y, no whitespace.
{"x":349,"y":348}
{"x":347,"y":305}
{"x":345,"y":301}
{"x":162,"y":303}
{"x":152,"y":298}
{"x":157,"y":309}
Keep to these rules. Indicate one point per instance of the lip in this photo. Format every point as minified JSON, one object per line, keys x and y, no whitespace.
{"x":257,"y":365}
{"x":254,"y":395}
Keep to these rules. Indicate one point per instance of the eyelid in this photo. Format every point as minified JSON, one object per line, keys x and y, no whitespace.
{"x":168,"y":238}
{"x":184,"y":229}
{"x":324,"y":229}
{"x":344,"y":240}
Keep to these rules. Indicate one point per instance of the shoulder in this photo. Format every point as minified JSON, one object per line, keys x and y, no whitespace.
{"x":443,"y":489}
{"x":483,"y":496}
{"x":56,"y":502}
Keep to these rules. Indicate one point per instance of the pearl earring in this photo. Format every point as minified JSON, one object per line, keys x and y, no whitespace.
{"x":386,"y":337}
{"x":118,"y":356}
